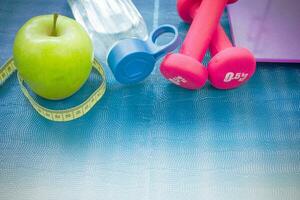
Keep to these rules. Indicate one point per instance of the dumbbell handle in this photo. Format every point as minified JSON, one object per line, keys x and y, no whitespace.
{"x":205,"y":21}
{"x":219,"y":41}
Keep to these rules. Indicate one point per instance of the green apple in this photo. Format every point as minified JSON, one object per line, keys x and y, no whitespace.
{"x":54,"y":55}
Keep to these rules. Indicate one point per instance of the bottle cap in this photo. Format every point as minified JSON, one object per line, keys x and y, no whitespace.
{"x":132,"y":60}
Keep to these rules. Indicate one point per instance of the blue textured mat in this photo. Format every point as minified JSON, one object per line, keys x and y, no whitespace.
{"x":152,"y":140}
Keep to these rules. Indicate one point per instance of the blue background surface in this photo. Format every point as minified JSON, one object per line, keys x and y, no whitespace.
{"x":152,"y":140}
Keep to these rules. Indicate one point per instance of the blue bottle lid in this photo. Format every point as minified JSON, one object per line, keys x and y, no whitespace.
{"x":132,"y":60}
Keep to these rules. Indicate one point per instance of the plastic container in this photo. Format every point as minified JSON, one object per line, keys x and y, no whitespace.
{"x":108,"y":21}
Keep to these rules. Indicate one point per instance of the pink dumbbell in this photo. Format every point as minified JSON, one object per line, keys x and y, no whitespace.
{"x":230,"y":66}
{"x":184,"y":68}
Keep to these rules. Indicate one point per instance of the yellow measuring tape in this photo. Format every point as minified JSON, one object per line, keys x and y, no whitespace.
{"x":58,"y":115}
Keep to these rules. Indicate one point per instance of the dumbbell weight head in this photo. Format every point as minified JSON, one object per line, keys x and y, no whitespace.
{"x":231,"y":68}
{"x":187,"y":8}
{"x":184,"y":70}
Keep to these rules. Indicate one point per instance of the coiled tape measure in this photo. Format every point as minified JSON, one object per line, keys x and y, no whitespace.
{"x":57,"y":115}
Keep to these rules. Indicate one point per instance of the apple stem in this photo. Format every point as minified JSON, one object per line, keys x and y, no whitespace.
{"x":54,"y":33}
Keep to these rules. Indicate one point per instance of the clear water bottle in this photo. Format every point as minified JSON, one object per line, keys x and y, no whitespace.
{"x":108,"y":21}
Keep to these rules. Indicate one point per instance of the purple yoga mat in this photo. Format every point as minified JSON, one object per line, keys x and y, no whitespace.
{"x":269,"y":28}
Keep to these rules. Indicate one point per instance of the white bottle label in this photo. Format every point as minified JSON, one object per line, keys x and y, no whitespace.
{"x":177,"y":80}
{"x":235,"y":76}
